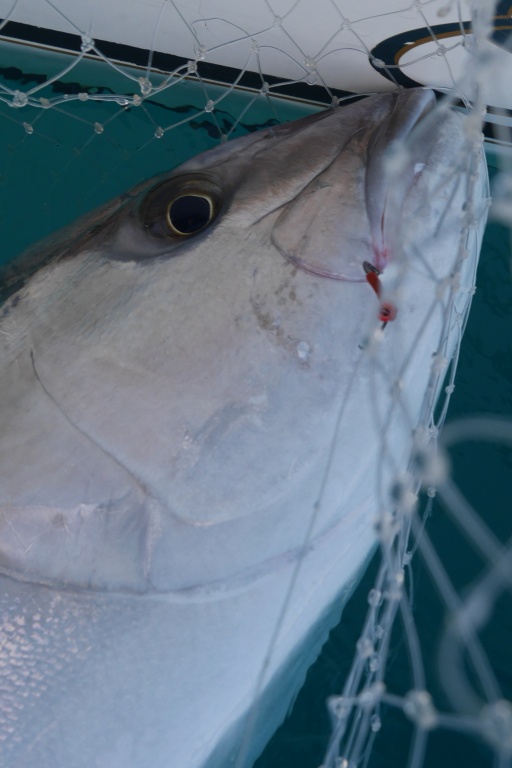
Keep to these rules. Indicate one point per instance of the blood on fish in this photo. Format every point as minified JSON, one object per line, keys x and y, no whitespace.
{"x":387,"y":310}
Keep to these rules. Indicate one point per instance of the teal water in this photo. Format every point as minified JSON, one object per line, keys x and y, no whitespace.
{"x":55,"y":165}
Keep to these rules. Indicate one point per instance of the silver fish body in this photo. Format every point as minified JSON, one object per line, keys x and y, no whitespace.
{"x":190,"y":409}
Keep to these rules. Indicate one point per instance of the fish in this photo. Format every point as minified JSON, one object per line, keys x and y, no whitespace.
{"x":203,"y":424}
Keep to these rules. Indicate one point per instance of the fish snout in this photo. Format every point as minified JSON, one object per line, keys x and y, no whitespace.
{"x":337,"y":220}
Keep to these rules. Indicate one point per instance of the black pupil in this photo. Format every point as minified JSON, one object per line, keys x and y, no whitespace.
{"x":189,"y":213}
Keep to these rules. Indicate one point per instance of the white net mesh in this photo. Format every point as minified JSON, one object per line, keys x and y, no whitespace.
{"x":95,"y":97}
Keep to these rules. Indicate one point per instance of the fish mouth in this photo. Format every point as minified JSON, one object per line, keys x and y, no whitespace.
{"x":348,"y":201}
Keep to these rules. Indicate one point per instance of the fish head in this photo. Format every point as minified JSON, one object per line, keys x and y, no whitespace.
{"x":174,"y":372}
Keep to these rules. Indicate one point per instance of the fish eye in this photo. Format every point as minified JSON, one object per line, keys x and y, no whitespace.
{"x":181,"y":207}
{"x":190,"y":213}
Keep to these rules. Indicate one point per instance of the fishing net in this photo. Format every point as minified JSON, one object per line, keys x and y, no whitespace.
{"x":418,"y":670}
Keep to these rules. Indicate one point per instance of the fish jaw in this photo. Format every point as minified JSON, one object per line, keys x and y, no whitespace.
{"x":401,"y":131}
